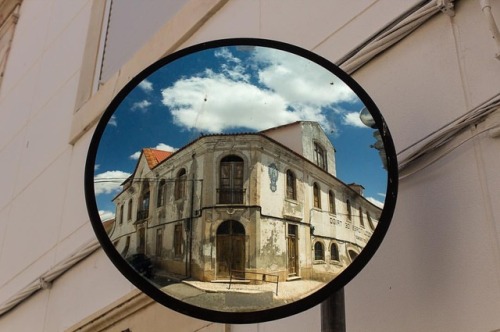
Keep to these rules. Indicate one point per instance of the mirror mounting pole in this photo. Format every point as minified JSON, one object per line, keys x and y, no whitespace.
{"x":333,"y":313}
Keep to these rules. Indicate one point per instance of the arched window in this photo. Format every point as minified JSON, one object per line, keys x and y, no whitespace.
{"x":291,"y":186}
{"x":121,"y":214}
{"x":319,"y":252}
{"x":352,"y":254}
{"x":180,"y":184}
{"x":143,"y":209}
{"x":231,"y":180}
{"x":361,"y":221}
{"x":160,"y":197}
{"x":349,"y":210}
{"x":319,"y":156}
{"x":317,"y":196}
{"x":334,"y":252}
{"x":129,"y":209}
{"x":331,"y":201}
{"x":370,"y":222}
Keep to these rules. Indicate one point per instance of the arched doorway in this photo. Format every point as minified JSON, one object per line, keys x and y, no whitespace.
{"x":230,"y":244}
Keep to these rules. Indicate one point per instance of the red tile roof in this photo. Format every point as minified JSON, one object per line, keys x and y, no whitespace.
{"x":154,"y":156}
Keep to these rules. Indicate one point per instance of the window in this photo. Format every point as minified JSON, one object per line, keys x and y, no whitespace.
{"x":126,"y":31}
{"x":349,"y":211}
{"x":9,"y":14}
{"x":120,"y":217}
{"x":319,"y":156}
{"x":317,"y":196}
{"x":129,"y":210}
{"x":331,"y":201}
{"x":370,"y":222}
{"x":178,"y":240}
{"x":231,"y":180}
{"x":319,"y":252}
{"x":291,"y":186}
{"x":361,"y":221}
{"x":159,"y":242}
{"x":180,"y":184}
{"x":334,"y":252}
{"x":160,"y":197}
{"x":143,"y":212}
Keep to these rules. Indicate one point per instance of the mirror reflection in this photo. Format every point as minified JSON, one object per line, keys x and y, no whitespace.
{"x":240,"y":178}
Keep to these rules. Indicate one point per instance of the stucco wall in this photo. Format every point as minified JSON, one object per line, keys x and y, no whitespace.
{"x":437,"y":269}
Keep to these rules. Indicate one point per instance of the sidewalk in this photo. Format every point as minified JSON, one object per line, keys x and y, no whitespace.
{"x":241,"y":297}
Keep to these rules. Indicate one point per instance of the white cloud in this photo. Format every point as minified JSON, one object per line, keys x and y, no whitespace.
{"x":109,"y":182}
{"x":141,"y":105}
{"x":300,"y":80}
{"x":135,"y":155}
{"x":165,"y":147}
{"x":291,"y":89}
{"x":112,"y":121}
{"x":353,"y":119}
{"x":375,"y":202}
{"x":146,"y":85}
{"x":160,"y":146}
{"x":106,"y":215}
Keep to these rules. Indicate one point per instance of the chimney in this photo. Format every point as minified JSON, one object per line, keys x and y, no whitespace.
{"x":357,"y":188}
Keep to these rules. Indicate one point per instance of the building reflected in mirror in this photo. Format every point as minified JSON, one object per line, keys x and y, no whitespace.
{"x":242,"y":221}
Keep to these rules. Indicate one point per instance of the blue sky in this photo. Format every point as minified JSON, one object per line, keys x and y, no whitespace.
{"x":235,"y":89}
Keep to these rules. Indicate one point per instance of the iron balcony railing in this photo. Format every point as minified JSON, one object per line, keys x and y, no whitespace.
{"x":142,"y":214}
{"x":230,"y":195}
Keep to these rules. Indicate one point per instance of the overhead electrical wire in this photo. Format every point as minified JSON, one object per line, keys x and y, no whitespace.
{"x":434,"y":141}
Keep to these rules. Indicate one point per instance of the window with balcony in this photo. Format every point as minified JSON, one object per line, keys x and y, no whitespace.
{"x":230,"y":189}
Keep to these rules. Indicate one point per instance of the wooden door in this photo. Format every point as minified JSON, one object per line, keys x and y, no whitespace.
{"x":230,"y":249}
{"x":292,"y":250}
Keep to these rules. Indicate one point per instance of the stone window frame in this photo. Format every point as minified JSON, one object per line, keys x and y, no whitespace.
{"x":9,"y":15}
{"x":332,"y":206}
{"x":291,"y":188}
{"x":160,"y":193}
{"x":180,"y":184}
{"x":336,"y":257}
{"x":316,"y":195}
{"x":90,"y":103}
{"x":321,"y":252}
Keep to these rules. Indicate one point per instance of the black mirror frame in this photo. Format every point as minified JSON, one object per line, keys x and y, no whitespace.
{"x":262,"y":315}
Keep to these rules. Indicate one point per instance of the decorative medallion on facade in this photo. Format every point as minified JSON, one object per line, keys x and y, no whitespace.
{"x":273,"y":176}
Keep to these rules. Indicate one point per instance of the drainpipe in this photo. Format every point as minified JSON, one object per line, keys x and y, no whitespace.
{"x":486,"y":8}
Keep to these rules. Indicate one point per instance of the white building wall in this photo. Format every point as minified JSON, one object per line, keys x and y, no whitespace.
{"x":438,"y":268}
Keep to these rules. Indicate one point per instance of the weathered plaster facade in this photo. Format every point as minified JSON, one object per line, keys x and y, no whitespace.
{"x":192,"y":226}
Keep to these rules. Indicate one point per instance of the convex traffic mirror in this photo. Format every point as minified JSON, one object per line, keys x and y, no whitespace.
{"x":241,"y":180}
